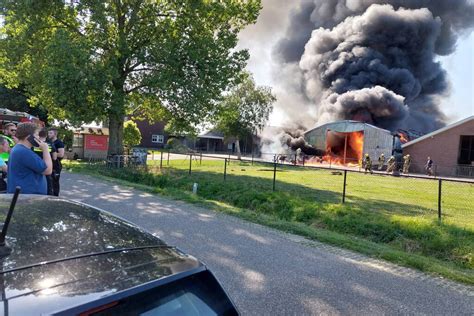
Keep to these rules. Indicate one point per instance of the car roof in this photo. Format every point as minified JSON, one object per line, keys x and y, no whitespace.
{"x":74,"y":252}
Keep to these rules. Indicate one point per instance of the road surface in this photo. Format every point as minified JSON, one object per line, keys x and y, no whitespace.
{"x":268,"y":272}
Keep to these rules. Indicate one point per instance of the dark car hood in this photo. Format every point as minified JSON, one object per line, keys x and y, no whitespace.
{"x":53,"y":287}
{"x":46,"y":230}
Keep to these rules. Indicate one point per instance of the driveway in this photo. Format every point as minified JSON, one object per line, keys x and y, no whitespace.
{"x":268,"y":272}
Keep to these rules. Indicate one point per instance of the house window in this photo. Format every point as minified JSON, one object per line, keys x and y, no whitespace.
{"x":466,"y":150}
{"x":78,"y":140}
{"x":157,"y":139}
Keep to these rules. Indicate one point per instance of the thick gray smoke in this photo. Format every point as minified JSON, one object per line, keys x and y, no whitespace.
{"x":373,"y":61}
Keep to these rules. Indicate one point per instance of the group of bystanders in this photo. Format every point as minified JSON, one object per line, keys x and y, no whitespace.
{"x":34,"y":160}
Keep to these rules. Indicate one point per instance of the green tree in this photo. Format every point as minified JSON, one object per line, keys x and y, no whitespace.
{"x":244,"y":110}
{"x":131,"y":135}
{"x":16,"y":100}
{"x":90,"y":60}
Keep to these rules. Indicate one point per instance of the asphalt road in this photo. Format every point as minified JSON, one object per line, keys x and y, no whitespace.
{"x":267,"y":272}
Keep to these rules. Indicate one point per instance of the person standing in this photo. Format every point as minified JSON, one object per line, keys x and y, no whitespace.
{"x":10,"y":130}
{"x":381,"y":161}
{"x":25,"y":168}
{"x":4,"y":148}
{"x":52,"y":151}
{"x":298,"y":156}
{"x":368,"y":164}
{"x":57,"y":166}
{"x":406,"y":163}
{"x":429,"y":166}
{"x":391,"y":164}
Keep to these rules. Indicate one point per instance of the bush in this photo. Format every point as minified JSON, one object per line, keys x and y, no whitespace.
{"x":175,"y":145}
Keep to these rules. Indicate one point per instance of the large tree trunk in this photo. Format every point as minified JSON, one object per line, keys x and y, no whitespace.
{"x":117,"y":115}
{"x":116,"y":134}
{"x":237,"y":148}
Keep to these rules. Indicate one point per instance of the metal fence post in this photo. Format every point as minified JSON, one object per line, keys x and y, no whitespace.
{"x":190,"y":162}
{"x":161,"y":160}
{"x":168,"y":162}
{"x":344,"y":187}
{"x":440,"y":181}
{"x":225,"y":168}
{"x":200,"y":158}
{"x":274,"y":174}
{"x":252,"y":157}
{"x":303,"y":159}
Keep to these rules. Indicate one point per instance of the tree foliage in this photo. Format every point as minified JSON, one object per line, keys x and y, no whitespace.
{"x":16,"y":100}
{"x":245,"y":109}
{"x":131,"y":134}
{"x":102,"y":60}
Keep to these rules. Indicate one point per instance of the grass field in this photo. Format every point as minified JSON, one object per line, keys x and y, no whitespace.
{"x":391,"y":218}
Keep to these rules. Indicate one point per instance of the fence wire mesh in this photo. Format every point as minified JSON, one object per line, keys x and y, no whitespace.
{"x":448,"y":200}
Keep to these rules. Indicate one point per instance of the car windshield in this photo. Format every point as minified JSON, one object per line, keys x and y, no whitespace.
{"x":199,"y":294}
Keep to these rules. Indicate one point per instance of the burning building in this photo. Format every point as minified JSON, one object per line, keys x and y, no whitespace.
{"x":345,"y":142}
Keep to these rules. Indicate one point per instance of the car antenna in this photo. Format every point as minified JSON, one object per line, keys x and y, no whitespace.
{"x":4,"y":249}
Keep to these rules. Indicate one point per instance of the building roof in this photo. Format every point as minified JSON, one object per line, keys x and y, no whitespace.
{"x":212,"y":135}
{"x":348,"y":126}
{"x":439,"y":131}
{"x":92,"y":130}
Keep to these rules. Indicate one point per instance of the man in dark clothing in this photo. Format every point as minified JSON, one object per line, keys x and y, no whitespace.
{"x":429,"y":166}
{"x":53,"y":152}
{"x":57,"y":167}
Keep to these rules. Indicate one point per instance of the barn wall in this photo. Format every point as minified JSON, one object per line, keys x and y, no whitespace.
{"x":376,"y":140}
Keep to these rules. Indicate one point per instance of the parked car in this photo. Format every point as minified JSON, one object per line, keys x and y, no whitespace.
{"x":68,"y":258}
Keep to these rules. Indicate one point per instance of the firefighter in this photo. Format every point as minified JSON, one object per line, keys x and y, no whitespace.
{"x":368,"y":164}
{"x":298,"y":156}
{"x":391,"y":164}
{"x":381,"y":161}
{"x":406,"y":163}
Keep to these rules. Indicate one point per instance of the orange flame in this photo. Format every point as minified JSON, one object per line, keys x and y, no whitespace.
{"x":335,"y":156}
{"x":403,"y":138}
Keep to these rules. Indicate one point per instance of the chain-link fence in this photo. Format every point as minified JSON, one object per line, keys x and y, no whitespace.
{"x":446,"y":199}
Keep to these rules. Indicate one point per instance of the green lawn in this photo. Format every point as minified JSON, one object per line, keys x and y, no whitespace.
{"x":386,"y":217}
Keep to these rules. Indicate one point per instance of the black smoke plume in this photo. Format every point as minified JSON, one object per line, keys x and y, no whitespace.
{"x":370,"y":60}
{"x":294,"y":139}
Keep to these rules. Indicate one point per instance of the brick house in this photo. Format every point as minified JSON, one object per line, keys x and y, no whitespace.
{"x":451,"y":148}
{"x":153,"y":135}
